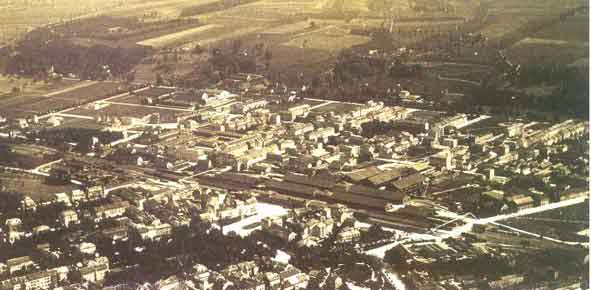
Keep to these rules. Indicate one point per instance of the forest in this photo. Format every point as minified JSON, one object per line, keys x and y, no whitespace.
{"x":41,"y":50}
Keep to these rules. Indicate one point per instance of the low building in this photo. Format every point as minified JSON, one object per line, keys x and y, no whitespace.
{"x":507,"y":282}
{"x":520,"y":202}
{"x":19,"y":264}
{"x":411,"y":184}
{"x":39,"y":280}
{"x":154,"y":232}
{"x":348,"y":234}
{"x":111,"y":210}
{"x":94,"y":271}
{"x":68,"y":217}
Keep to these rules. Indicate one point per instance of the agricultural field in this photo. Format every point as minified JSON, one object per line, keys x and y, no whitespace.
{"x":27,"y":86}
{"x":499,"y":25}
{"x":286,"y":29}
{"x":88,"y":91}
{"x":58,"y":96}
{"x":31,"y":97}
{"x":574,"y":29}
{"x":169,"y":39}
{"x":326,"y":42}
{"x":213,"y":36}
{"x":20,"y":18}
{"x":507,"y":16}
{"x":535,"y":50}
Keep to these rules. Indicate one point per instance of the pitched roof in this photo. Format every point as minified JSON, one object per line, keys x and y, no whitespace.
{"x":324,"y":181}
{"x":363,"y":174}
{"x":408,"y":181}
{"x":385,"y":177}
{"x":344,"y":197}
{"x":370,"y":192}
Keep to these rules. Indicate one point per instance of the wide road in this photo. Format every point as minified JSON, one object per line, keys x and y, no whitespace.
{"x":470,"y":222}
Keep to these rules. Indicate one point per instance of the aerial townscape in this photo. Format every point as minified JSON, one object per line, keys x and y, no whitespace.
{"x":284,"y":145}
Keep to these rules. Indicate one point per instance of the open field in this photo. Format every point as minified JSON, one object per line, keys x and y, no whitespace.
{"x":19,"y":106}
{"x":31,"y":185}
{"x":19,"y":18}
{"x":338,"y":108}
{"x":499,"y":25}
{"x":534,"y":50}
{"x":29,"y":87}
{"x":330,"y":38}
{"x":54,"y":97}
{"x":228,"y":34}
{"x":289,"y":28}
{"x":79,"y":123}
{"x":26,"y":105}
{"x":562,"y":223}
{"x":573,"y":29}
{"x":26,"y":156}
{"x":92,"y":91}
{"x":328,"y":43}
{"x":506,"y":16}
{"x":163,"y":8}
{"x":128,"y":110}
{"x":169,"y":39}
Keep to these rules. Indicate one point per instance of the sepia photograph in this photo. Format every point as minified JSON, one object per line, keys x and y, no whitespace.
{"x":294,"y":145}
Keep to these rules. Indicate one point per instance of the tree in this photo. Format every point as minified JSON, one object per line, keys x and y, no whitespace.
{"x":395,"y":258}
{"x":159,"y":80}
{"x":198,"y":49}
{"x":15,"y":90}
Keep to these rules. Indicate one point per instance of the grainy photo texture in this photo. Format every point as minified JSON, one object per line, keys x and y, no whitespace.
{"x":294,"y":144}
